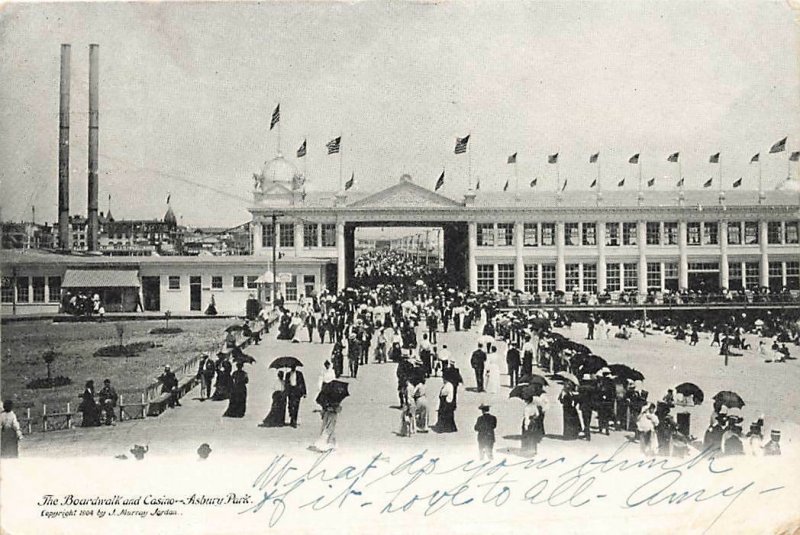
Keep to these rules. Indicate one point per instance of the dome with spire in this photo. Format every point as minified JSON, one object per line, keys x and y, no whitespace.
{"x":279,"y":170}
{"x":169,"y":217}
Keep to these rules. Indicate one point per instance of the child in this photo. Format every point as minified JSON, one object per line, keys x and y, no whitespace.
{"x":408,"y":423}
{"x":485,"y":426}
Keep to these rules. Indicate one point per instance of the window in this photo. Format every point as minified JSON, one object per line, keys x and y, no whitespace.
{"x":775,"y":276}
{"x":735,"y":279}
{"x":286,"y":235}
{"x":693,"y":233}
{"x":267,"y":235}
{"x":38,"y":289}
{"x":310,"y":285}
{"x":505,"y":277}
{"x":671,"y":233}
{"x":54,"y":289}
{"x":485,"y":235}
{"x":612,"y":277}
{"x":548,"y":234}
{"x":216,"y":282}
{"x":22,"y":290}
{"x":530,"y":235}
{"x":174,"y":282}
{"x":329,"y":235}
{"x":589,"y":234}
{"x":548,"y":277}
{"x":310,"y":237}
{"x":572,"y":277}
{"x":792,"y":232}
{"x":630,"y":276}
{"x":291,"y":289}
{"x":238,"y":281}
{"x":710,"y":234}
{"x":653,"y":233}
{"x":751,"y":232}
{"x":751,"y":272}
{"x":793,"y":275}
{"x":612,"y":234}
{"x":774,"y":232}
{"x":629,"y":234}
{"x":531,"y":279}
{"x":251,"y":281}
{"x":572,"y":234}
{"x":654,"y":276}
{"x":505,"y":234}
{"x":671,"y":276}
{"x":590,"y":278}
{"x":734,"y":233}
{"x":485,"y":277}
{"x":7,"y":293}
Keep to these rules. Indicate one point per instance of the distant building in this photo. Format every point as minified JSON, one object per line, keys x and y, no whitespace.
{"x":28,"y":236}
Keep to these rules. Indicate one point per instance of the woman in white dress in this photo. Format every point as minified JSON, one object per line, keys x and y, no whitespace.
{"x":491,"y":372}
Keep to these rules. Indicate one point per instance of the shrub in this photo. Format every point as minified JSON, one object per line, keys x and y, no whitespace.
{"x":49,"y":382}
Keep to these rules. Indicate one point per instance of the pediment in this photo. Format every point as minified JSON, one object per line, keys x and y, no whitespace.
{"x":275,"y":188}
{"x":405,"y":195}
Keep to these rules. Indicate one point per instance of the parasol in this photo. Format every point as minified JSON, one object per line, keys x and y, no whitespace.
{"x":691,"y":389}
{"x":587,"y":364}
{"x":626,"y":372}
{"x":567,"y":377}
{"x":452,"y":375}
{"x":233,"y":328}
{"x":332,"y":393}
{"x":525,"y":391}
{"x":285,"y":362}
{"x":533,"y":379}
{"x":729,"y":399}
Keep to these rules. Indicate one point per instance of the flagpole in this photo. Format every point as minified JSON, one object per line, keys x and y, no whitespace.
{"x":680,"y":174}
{"x":469,"y":162}
{"x":305,"y":157}
{"x":558,"y":176}
{"x":639,"y":161}
{"x":719,"y":168}
{"x":760,"y":188}
{"x":279,"y":132}
{"x":516,"y":175}
{"x":598,"y":172}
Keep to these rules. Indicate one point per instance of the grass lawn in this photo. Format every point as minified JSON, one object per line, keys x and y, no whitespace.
{"x":24,"y":343}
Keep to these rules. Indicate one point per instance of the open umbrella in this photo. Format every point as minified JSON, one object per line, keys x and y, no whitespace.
{"x":729,"y":399}
{"x":539,"y":324}
{"x":587,"y":364}
{"x":285,"y":362}
{"x":533,"y":379}
{"x":626,"y":372}
{"x":452,"y":375}
{"x":233,"y":328}
{"x":525,"y":391}
{"x":691,"y":389}
{"x":576,"y":347}
{"x":243,"y":357}
{"x":567,"y":377}
{"x":332,"y":393}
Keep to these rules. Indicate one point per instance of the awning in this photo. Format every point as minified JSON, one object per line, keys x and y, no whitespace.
{"x":101,"y":278}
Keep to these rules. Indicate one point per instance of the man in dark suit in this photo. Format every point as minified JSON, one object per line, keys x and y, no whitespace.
{"x":513,"y":361}
{"x":205,"y":374}
{"x":295,"y":390}
{"x":485,"y":426}
{"x":478,"y":361}
{"x":169,"y":384}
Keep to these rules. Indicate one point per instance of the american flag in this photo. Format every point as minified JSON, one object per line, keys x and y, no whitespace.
{"x":651,"y":182}
{"x":779,"y":146}
{"x":680,"y":183}
{"x":553,"y":158}
{"x":673,"y":157}
{"x":333,"y":145}
{"x":621,"y":183}
{"x":707,"y":183}
{"x":714,"y":158}
{"x":349,"y":183}
{"x":795,"y":157}
{"x":534,"y":182}
{"x":737,"y":182}
{"x":302,"y":150}
{"x":505,"y":188}
{"x":593,"y":158}
{"x":755,"y":157}
{"x":512,"y":158}
{"x":593,"y":184}
{"x":276,"y":117}
{"x":440,"y":182}
{"x":461,"y":144}
{"x":564,"y":186}
{"x":634,"y":158}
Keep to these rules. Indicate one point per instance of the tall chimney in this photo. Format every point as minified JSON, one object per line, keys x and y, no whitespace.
{"x":63,"y":152}
{"x":93,"y":230}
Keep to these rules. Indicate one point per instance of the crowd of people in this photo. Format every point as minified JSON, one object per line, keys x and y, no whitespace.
{"x":396,"y":268}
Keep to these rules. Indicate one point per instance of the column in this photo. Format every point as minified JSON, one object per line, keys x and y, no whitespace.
{"x":258,"y":243}
{"x":600,"y":233}
{"x":641,"y":241}
{"x":561,"y":283}
{"x":762,"y":247}
{"x":340,"y":261}
{"x":724,"y":276}
{"x":472,"y":264}
{"x":298,"y":239}
{"x":683,"y":260}
{"x":519,"y":263}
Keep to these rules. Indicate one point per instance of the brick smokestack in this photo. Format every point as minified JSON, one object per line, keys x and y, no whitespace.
{"x":94,"y":226}
{"x":64,"y":235}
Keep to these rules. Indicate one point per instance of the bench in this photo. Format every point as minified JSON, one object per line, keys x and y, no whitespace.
{"x":54,"y":421}
{"x":132,"y":411}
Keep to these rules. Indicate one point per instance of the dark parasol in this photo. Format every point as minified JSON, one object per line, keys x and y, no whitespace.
{"x":691,"y":389}
{"x":729,"y":399}
{"x":285,"y":362}
{"x":332,"y":393}
{"x":626,"y":372}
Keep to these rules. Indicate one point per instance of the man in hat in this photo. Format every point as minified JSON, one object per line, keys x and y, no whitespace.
{"x":205,"y":374}
{"x":478,"y":361}
{"x":586,"y":404}
{"x":773,"y":447}
{"x":295,"y":391}
{"x":513,"y":361}
{"x":485,"y":426}
{"x":169,"y":384}
{"x":108,"y":401}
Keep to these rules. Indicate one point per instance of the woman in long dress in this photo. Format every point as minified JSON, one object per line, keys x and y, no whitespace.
{"x":277,"y":412}
{"x":237,"y":405}
{"x":446,"y":422}
{"x":420,"y":400}
{"x":532,"y":426}
{"x":646,"y":425}
{"x":10,"y":432}
{"x":491,"y":372}
{"x":572,"y":424}
{"x":327,"y":440}
{"x":88,"y":406}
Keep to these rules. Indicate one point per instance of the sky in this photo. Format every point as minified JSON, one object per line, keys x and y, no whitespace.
{"x":187,"y":91}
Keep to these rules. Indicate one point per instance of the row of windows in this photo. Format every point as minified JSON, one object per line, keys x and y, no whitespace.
{"x":313,"y":235}
{"x":582,"y":277}
{"x":656,"y":233}
{"x":31,"y":290}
